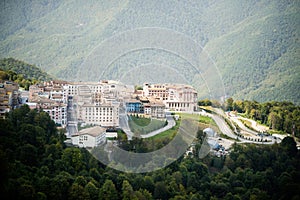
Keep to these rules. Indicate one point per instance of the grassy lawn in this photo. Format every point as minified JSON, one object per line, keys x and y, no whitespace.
{"x":168,"y":133}
{"x":199,"y":118}
{"x":141,"y":125}
{"x":204,"y":122}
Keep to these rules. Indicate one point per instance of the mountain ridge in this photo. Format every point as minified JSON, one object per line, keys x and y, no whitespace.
{"x":256,"y":62}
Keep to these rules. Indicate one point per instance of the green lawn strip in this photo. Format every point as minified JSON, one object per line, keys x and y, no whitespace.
{"x":199,"y":118}
{"x":168,"y":133}
{"x":204,"y":122}
{"x":140,"y":125}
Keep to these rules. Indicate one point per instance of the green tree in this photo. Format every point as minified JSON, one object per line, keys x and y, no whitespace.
{"x":108,"y":191}
{"x":289,"y":145}
{"x":229,"y":104}
{"x":161,"y":191}
{"x":80,"y":180}
{"x":92,"y":190}
{"x":143,"y":194}
{"x":127,"y":191}
{"x":148,"y":184}
{"x":77,"y":192}
{"x":73,"y":158}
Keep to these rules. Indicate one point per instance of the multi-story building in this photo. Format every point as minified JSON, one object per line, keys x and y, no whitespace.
{"x":53,"y":90}
{"x":103,"y":114}
{"x":177,"y":97}
{"x":98,"y":103}
{"x":146,"y":105}
{"x":35,"y":90}
{"x":157,"y":110}
{"x":57,"y":94}
{"x":159,"y":91}
{"x":134,"y":106}
{"x":56,"y":110}
{"x":9,"y":97}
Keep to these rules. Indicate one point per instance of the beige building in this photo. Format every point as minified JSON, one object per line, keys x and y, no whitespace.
{"x":105,"y":88}
{"x":9,"y":97}
{"x":56,"y":110}
{"x":53,"y":90}
{"x":102,"y":114}
{"x":35,"y":90}
{"x":153,"y":107}
{"x":98,"y":103}
{"x":177,"y":97}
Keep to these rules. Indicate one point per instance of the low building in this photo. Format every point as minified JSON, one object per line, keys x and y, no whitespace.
{"x":89,"y":137}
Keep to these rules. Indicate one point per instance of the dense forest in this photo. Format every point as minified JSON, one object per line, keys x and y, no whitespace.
{"x":28,"y":71}
{"x":22,"y":73}
{"x":281,"y":117}
{"x":36,"y":164}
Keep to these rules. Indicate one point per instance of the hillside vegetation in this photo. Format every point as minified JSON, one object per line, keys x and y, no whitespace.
{"x":27,"y":70}
{"x":22,"y":73}
{"x":36,"y":164}
{"x":254,"y":44}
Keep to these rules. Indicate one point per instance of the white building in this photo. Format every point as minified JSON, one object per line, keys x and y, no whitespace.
{"x":98,"y":103}
{"x":106,"y":114}
{"x":89,"y":137}
{"x":109,"y":88}
{"x":57,"y":111}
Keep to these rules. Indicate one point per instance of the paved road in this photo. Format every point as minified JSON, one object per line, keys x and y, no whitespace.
{"x":224,"y":128}
{"x":171,"y":123}
{"x":71,"y":119}
{"x":123,"y":123}
{"x":242,"y":126}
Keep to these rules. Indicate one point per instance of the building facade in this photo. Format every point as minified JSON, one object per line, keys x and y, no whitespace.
{"x":176,"y":97}
{"x":57,"y":111}
{"x":9,"y":97}
{"x":106,"y":115}
{"x":90,"y":137}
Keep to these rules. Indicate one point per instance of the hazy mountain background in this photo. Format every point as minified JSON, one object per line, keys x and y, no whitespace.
{"x":254,"y":44}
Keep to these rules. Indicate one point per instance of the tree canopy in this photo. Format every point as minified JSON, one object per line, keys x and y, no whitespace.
{"x":35,"y":164}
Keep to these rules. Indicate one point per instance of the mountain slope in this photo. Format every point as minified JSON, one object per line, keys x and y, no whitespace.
{"x":255,"y":44}
{"x":28,"y":71}
{"x":260,"y":59}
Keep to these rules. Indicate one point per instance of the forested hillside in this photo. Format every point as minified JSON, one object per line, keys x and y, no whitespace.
{"x":35,"y":164}
{"x":28,"y":71}
{"x":22,"y":73}
{"x":254,"y":44}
